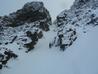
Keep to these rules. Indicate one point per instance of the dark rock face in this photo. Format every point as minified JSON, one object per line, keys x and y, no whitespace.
{"x":23,"y":29}
{"x":34,"y":38}
{"x":31,"y":12}
{"x":33,"y":15}
{"x":5,"y":56}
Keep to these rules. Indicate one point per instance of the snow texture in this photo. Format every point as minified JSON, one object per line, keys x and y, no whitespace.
{"x":76,"y":28}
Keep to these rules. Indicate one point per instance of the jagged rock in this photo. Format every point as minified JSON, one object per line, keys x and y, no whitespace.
{"x":34,"y":39}
{"x":81,"y":15}
{"x":5,"y":55}
{"x":23,"y":29}
{"x":33,"y":17}
{"x":31,"y":12}
{"x":64,"y":39}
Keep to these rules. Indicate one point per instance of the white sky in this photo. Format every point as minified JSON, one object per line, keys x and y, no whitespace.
{"x":54,"y":6}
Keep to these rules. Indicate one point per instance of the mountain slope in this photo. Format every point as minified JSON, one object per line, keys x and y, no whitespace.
{"x":22,"y":30}
{"x":80,"y":58}
{"x":74,"y":30}
{"x":81,"y":17}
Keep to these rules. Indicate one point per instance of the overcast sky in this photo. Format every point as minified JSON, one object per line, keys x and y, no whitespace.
{"x":54,"y":6}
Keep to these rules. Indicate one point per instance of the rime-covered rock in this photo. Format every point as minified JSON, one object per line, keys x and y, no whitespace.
{"x":22,"y":30}
{"x":81,"y":17}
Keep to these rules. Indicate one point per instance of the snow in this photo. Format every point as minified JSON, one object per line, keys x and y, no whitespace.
{"x":86,"y":56}
{"x":80,"y":58}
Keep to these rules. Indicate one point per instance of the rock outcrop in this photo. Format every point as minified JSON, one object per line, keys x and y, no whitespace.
{"x":23,"y":29}
{"x":82,"y":16}
{"x":31,"y":12}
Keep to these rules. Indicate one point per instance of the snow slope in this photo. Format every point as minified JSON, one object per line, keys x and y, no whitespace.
{"x":80,"y":58}
{"x":81,"y":17}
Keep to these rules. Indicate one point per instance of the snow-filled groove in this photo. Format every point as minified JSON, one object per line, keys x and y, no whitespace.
{"x":31,"y":44}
